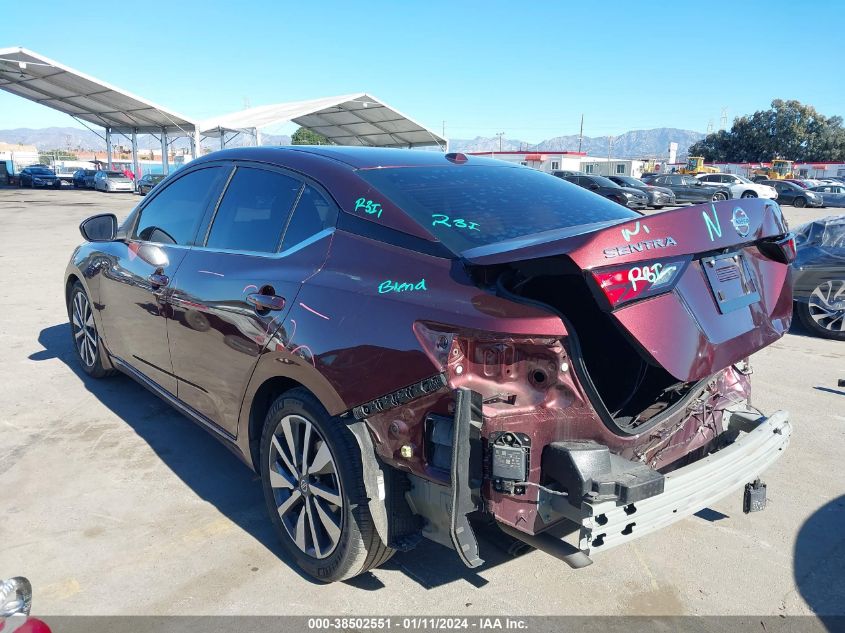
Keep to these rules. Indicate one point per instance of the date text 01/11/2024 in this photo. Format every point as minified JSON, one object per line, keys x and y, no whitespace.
{"x":417,"y":623}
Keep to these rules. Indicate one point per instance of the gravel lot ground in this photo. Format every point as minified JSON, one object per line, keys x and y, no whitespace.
{"x":104,"y":515}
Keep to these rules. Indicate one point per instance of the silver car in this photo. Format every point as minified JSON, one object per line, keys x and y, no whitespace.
{"x":832,"y":195}
{"x":113,"y":181}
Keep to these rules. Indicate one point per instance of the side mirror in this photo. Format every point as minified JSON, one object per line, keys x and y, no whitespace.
{"x":99,"y":228}
{"x":594,"y":187}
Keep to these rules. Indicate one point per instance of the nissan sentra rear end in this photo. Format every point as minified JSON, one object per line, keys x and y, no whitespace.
{"x":633,"y":411}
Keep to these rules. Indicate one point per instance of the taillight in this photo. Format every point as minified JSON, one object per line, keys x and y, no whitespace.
{"x":624,"y":284}
{"x":781,"y":249}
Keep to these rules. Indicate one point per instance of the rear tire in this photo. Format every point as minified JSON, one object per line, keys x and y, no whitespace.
{"x":719,"y":196}
{"x":657,"y":207}
{"x":330,"y":534}
{"x":86,"y":340}
{"x":749,"y":194}
{"x":799,"y":202}
{"x":818,"y":315}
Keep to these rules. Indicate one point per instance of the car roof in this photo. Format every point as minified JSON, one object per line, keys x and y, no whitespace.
{"x":356,"y":157}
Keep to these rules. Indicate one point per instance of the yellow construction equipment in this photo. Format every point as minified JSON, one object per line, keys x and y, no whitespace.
{"x":780,"y":170}
{"x":695,"y":165}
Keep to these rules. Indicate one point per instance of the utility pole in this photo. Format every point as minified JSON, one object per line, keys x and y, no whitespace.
{"x":500,"y":135}
{"x":581,"y":134}
{"x":723,"y":120}
{"x":609,"y":148}
{"x":443,"y":132}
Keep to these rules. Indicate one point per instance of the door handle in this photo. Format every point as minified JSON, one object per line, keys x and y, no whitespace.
{"x":265,"y":302}
{"x":158,"y":279}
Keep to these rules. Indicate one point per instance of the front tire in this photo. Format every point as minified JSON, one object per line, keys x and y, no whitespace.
{"x":823,"y":314}
{"x":311,"y":473}
{"x":719,"y":196}
{"x":799,"y":203}
{"x":749,"y":194}
{"x":86,"y":340}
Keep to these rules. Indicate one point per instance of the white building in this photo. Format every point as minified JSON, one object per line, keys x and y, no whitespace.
{"x":570,"y":161}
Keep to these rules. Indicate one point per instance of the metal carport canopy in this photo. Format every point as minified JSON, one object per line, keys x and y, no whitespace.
{"x":354,"y":119}
{"x":42,"y":80}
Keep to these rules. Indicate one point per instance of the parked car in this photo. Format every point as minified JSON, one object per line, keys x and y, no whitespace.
{"x":795,"y":181}
{"x":563,"y":173}
{"x":790,"y":193}
{"x":395,"y":340}
{"x":38,"y":176}
{"x":740,"y":187}
{"x":689,"y":188}
{"x":658,"y":197}
{"x":819,"y":277}
{"x":626,"y":196}
{"x":84,"y":178}
{"x":113,"y":181}
{"x":832,"y":195}
{"x":146,"y":182}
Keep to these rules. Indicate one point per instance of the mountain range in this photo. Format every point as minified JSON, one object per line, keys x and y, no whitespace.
{"x":634,"y":144}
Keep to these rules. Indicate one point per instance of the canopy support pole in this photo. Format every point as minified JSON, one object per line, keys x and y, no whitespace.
{"x":257,"y":136}
{"x":195,"y":144}
{"x":108,"y":148}
{"x":222,"y":139}
{"x":164,"y":167}
{"x":136,"y":165}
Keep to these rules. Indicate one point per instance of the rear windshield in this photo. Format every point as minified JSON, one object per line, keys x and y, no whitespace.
{"x":115,"y":174}
{"x":41,"y":171}
{"x":467,"y":206}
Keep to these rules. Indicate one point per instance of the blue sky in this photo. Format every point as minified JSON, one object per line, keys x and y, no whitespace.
{"x":526,"y":69}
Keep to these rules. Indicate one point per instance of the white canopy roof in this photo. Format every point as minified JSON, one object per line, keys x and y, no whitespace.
{"x":42,"y":80}
{"x":355,"y":119}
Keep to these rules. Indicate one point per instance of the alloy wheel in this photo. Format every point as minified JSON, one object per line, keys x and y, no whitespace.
{"x":827,"y":305}
{"x":84,"y":330}
{"x":306,"y":486}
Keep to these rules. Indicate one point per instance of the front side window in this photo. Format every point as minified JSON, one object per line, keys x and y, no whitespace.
{"x":172,"y":217}
{"x":254,"y":211}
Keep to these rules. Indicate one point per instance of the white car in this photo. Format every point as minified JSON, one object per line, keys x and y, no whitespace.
{"x":740,"y":187}
{"x":113,"y":181}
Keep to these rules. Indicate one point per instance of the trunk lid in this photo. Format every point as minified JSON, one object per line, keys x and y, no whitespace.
{"x":722,"y":298}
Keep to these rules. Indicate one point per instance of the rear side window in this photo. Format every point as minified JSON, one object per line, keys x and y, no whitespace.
{"x":172,"y":217}
{"x":467,"y":206}
{"x":313,"y":213}
{"x":254,"y":211}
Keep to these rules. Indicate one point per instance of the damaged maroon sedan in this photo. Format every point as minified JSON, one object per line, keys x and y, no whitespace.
{"x":401,"y":342}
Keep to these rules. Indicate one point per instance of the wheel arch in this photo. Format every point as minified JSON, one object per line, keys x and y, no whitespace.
{"x":272,"y":377}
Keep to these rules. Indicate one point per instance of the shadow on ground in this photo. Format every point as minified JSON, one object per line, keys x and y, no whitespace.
{"x":818,"y":560}
{"x":219,"y":477}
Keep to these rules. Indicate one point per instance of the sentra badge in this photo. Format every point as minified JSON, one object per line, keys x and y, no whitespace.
{"x":639,"y":247}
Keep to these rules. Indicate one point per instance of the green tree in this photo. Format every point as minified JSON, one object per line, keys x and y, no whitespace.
{"x":304,"y":136}
{"x":789,"y":129}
